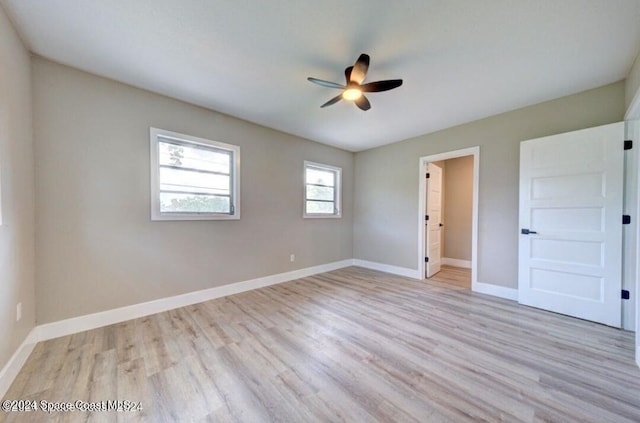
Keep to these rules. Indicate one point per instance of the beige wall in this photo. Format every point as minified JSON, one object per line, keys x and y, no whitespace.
{"x":458,"y":208}
{"x":17,"y":192}
{"x":96,"y":246}
{"x":386,"y":180}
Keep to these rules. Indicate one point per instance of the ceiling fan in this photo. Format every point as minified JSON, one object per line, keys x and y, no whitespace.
{"x":354,"y":89}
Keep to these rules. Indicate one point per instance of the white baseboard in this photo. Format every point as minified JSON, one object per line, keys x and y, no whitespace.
{"x":456,"y":262}
{"x":495,"y":290}
{"x":483,"y":288}
{"x":15,"y":363}
{"x":117,"y":315}
{"x":400,"y":271}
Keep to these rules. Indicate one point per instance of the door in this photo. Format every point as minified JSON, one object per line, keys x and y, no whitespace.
{"x":433,"y":220}
{"x":570,"y":247}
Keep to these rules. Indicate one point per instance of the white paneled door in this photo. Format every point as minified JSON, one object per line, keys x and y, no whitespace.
{"x":571,"y":191}
{"x":434,"y":219}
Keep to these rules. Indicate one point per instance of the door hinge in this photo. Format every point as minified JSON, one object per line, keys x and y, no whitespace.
{"x":626,"y":219}
{"x":625,"y":294}
{"x":428,"y":175}
{"x":426,"y":259}
{"x":426,"y":217}
{"x":628,"y":144}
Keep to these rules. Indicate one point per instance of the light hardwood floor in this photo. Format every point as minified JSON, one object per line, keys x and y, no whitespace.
{"x":350,"y":345}
{"x":452,"y":275}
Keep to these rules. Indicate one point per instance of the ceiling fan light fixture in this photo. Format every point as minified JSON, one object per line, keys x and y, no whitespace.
{"x":354,"y":89}
{"x":352,"y":94}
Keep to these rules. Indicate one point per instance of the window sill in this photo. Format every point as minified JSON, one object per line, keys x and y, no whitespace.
{"x":183,"y":217}
{"x":322,"y":216}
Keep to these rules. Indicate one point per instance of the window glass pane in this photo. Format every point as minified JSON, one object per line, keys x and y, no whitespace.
{"x":190,"y":181}
{"x":189,"y":203}
{"x":194,"y":157}
{"x":315,"y":192}
{"x":320,"y":177}
{"x":320,"y":207}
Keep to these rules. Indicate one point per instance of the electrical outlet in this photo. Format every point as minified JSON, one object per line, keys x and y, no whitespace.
{"x":18,"y":312}
{"x":292,"y":258}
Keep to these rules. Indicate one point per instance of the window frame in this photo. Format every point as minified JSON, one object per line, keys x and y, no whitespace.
{"x":156,"y":135}
{"x":337,"y":171}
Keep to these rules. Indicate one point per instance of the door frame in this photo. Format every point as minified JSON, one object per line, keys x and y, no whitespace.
{"x":633,"y":114}
{"x":631,"y":232}
{"x":422,"y":186}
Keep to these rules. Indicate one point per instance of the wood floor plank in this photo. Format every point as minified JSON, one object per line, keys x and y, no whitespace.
{"x":350,"y":345}
{"x":453,"y":276}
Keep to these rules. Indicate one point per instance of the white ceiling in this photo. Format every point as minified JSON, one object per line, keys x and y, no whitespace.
{"x":461,"y":60}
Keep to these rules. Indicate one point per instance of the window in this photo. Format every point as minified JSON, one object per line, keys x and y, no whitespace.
{"x":193,"y":178}
{"x":321,"y":190}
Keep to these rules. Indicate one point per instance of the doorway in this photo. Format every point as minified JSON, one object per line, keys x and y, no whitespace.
{"x":450,"y":232}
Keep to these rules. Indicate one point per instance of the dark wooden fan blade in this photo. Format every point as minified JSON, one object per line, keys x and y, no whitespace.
{"x":360,"y":69}
{"x":375,"y":87}
{"x":325,"y":83}
{"x":363,"y":103}
{"x":347,"y":74}
{"x":334,"y":100}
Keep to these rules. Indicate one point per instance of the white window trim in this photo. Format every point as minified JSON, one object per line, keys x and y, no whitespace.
{"x":155,"y":177}
{"x":2,"y":222}
{"x":338,"y":187}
